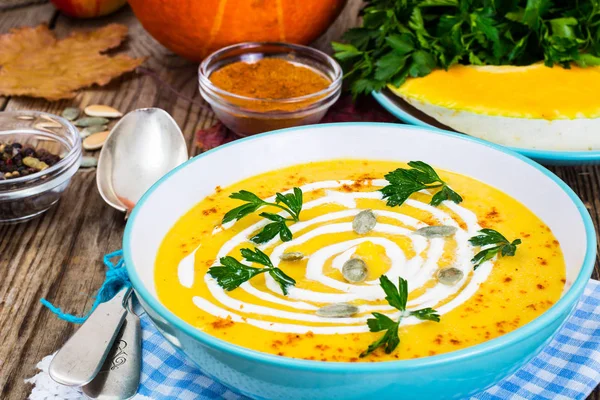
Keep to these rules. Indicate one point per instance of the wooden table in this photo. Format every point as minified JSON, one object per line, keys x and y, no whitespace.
{"x":58,"y":256}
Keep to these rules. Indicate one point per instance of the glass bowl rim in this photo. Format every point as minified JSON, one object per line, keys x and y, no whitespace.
{"x":68,"y":159}
{"x":333,"y":86}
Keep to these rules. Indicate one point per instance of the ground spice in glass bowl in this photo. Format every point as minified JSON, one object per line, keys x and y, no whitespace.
{"x":258,"y":87}
{"x":39,"y":154}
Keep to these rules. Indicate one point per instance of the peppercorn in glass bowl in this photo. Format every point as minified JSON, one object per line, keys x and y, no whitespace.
{"x":39,"y":153}
{"x":259,"y":87}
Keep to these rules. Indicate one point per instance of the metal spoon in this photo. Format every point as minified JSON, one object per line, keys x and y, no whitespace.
{"x":81,"y":358}
{"x":143,"y":146}
{"x":119,"y":377}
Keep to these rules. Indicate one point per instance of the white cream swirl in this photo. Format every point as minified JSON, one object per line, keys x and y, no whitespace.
{"x":418,"y":270}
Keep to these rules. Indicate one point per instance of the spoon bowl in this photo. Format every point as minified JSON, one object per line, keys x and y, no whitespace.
{"x":145,"y":145}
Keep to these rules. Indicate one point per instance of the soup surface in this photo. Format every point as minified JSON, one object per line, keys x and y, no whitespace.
{"x":497,"y":297}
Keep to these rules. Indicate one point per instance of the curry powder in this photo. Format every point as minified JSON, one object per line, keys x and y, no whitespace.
{"x":269,"y":79}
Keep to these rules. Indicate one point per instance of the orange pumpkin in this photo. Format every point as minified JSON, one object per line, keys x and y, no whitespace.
{"x":88,"y":8}
{"x":195,"y":28}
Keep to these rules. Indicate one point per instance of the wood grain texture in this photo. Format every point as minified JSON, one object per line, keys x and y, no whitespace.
{"x":58,"y":256}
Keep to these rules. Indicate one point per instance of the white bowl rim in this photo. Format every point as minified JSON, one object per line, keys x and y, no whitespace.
{"x":565,"y":304}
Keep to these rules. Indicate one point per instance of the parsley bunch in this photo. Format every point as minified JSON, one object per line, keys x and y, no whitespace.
{"x":397,"y":298}
{"x":232,"y":273}
{"x":402,"y":38}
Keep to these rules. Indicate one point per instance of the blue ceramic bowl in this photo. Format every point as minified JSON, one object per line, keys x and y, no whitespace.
{"x":452,"y":375}
{"x":407,"y":113}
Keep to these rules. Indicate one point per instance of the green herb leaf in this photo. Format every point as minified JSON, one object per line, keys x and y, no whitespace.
{"x":271,"y":230}
{"x":397,"y":298}
{"x":293,"y":201}
{"x":428,"y":314}
{"x":290,"y":203}
{"x":345,"y":51}
{"x":256,"y":256}
{"x":380,"y":323}
{"x":282,"y":279}
{"x":404,"y":182}
{"x":232,"y":273}
{"x":489,"y":237}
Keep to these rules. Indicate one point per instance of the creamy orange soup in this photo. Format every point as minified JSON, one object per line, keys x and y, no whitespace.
{"x":501,"y":295}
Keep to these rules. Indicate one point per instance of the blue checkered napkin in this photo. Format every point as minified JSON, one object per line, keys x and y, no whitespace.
{"x":568,"y":368}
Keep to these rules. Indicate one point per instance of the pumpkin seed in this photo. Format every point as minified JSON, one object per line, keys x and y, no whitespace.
{"x":85,"y":132}
{"x":98,"y":110}
{"x":337,"y":310}
{"x":95,"y":140}
{"x":51,"y":121}
{"x":355,"y":270}
{"x":436,"y":231}
{"x":88,"y":162}
{"x":48,"y":125}
{"x":40,"y":127}
{"x":291,"y":256}
{"x":449,"y":276}
{"x":364,"y":222}
{"x":70,"y":113}
{"x":25,"y":117}
{"x":90,"y":121}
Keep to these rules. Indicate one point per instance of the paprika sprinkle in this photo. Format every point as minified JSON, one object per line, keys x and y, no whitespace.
{"x":269,"y":78}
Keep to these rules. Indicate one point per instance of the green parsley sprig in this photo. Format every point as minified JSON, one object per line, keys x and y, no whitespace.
{"x":404,"y":182}
{"x":410,"y":38}
{"x":397,"y":298}
{"x":290,"y":203}
{"x":232,"y":273}
{"x":491,"y":237}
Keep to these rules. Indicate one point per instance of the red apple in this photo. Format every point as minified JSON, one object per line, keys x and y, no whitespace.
{"x":88,"y":8}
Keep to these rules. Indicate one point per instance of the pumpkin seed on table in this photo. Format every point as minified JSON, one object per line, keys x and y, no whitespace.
{"x":292,"y":256}
{"x":364,"y":222}
{"x":337,"y":310}
{"x":25,"y":117}
{"x":90,"y":121}
{"x":41,"y":127}
{"x":99,"y":110}
{"x":355,"y":270}
{"x":449,"y":276}
{"x":436,"y":231}
{"x":85,"y":132}
{"x":88,"y":162}
{"x":95,"y":141}
{"x":50,"y":122}
{"x":48,"y":125}
{"x":70,"y":113}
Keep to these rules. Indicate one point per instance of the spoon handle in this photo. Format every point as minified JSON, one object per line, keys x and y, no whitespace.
{"x":119,"y":377}
{"x":80,"y":359}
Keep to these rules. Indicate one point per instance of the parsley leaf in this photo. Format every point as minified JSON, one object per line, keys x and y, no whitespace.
{"x":400,"y":39}
{"x":488,"y":237}
{"x":289,"y":202}
{"x":405,"y":182}
{"x":397,"y":297}
{"x":232,"y":273}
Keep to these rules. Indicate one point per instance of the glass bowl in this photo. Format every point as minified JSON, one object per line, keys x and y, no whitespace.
{"x":248,"y":115}
{"x":26,"y":197}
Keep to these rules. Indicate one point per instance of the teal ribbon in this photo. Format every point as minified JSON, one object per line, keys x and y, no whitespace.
{"x":116,"y":278}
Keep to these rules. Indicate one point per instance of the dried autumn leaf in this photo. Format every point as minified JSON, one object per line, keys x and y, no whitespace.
{"x":34,"y":63}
